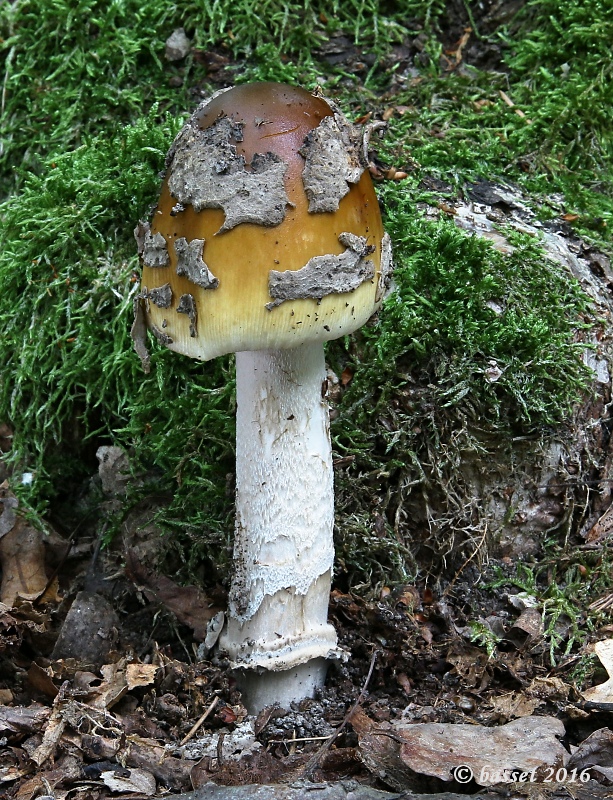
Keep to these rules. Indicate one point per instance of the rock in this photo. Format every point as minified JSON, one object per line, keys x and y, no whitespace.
{"x":177,"y":45}
{"x":113,"y":470}
{"x":89,"y":631}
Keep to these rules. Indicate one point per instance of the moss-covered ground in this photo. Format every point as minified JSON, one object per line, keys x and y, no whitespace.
{"x":89,"y":106}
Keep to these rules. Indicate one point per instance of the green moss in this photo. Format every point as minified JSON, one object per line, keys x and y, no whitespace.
{"x":74,"y":68}
{"x":472,"y":349}
{"x":88,"y":112}
{"x":464,"y":306}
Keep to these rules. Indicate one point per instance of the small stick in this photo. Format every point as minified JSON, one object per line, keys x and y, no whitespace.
{"x":466,"y":563}
{"x":313,"y":762}
{"x":195,"y":727}
{"x":303,"y":739}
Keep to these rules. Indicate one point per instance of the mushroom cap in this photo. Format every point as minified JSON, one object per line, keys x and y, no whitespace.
{"x":267,"y":233}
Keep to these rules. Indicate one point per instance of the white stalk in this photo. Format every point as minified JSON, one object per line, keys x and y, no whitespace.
{"x":277,"y":636}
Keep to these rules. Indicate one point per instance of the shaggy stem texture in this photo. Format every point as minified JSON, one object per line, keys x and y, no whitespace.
{"x":283,"y":552}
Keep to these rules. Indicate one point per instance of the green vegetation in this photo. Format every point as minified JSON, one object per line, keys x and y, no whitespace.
{"x":484,"y":636}
{"x":89,"y":106}
{"x":559,"y":588}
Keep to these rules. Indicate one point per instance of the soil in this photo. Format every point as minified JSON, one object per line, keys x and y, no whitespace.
{"x":105,"y":673}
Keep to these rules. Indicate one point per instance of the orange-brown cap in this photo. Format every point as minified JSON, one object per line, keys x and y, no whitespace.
{"x":267,"y":233}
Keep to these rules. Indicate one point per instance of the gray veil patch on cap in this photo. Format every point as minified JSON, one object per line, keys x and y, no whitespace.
{"x":324,"y":275}
{"x":191,"y":264}
{"x":152,"y":248}
{"x":333,"y":160}
{"x":206,"y":172}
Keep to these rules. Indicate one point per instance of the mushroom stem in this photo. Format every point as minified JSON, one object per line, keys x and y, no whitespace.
{"x":277,"y":636}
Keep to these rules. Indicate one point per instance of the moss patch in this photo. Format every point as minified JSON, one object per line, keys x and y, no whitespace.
{"x":89,"y":109}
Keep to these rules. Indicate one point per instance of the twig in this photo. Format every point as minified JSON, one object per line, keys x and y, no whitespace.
{"x":90,"y":582}
{"x":313,"y":762}
{"x":301,"y":739}
{"x":466,"y":563}
{"x":195,"y":727}
{"x":69,"y":544}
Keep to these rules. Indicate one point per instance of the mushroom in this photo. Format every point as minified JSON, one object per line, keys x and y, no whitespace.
{"x":266,"y":242}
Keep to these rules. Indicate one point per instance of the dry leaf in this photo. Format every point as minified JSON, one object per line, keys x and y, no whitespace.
{"x":22,"y":555}
{"x":22,"y":721}
{"x":596,"y":754}
{"x":527,"y":628}
{"x":113,"y":688}
{"x":140,"y":675}
{"x":150,"y":755}
{"x":40,"y":680}
{"x":138,"y":781}
{"x":346,"y":376}
{"x":471,"y":664}
{"x":51,"y":737}
{"x":67,"y":770}
{"x":189,"y":605}
{"x":363,"y":119}
{"x":602,"y":528}
{"x":515,"y":704}
{"x":603,"y":693}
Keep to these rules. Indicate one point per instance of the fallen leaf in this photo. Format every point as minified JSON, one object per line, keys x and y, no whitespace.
{"x":22,"y":554}
{"x":603,"y":693}
{"x":138,"y":781}
{"x":515,"y":704}
{"x":549,"y":688}
{"x":188,"y":603}
{"x":150,"y":755}
{"x":596,"y":754}
{"x":602,"y":528}
{"x":363,"y":119}
{"x":53,"y":732}
{"x":527,"y":629}
{"x":346,"y":376}
{"x":471,"y":664}
{"x":113,"y":688}
{"x":40,"y":680}
{"x":66,"y":770}
{"x":22,"y":721}
{"x":140,"y":675}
